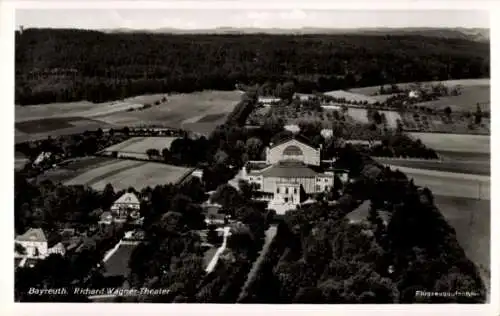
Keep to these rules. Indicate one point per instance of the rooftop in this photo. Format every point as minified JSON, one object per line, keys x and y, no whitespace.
{"x":300,"y":138}
{"x":289,"y":169}
{"x":128,"y":198}
{"x":33,"y":234}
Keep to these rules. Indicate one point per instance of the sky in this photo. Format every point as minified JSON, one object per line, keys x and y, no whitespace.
{"x":213,"y":18}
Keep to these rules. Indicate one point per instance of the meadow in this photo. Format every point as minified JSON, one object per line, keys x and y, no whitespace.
{"x":141,"y":144}
{"x":121,"y":173}
{"x":455,"y":142}
{"x":182,"y":111}
{"x":466,"y":84}
{"x":449,"y":183}
{"x":199,"y":111}
{"x":468,"y":167}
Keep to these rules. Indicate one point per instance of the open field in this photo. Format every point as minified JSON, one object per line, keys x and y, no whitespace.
{"x":471,"y":220}
{"x":469,"y":167}
{"x":465,"y":156}
{"x":466,"y":101}
{"x":465,"y":84}
{"x":123,"y":174}
{"x":199,"y":111}
{"x":449,"y":183}
{"x":181,"y":108}
{"x":141,"y":144}
{"x":43,"y":129}
{"x":359,"y":114}
{"x":83,"y":108}
{"x":74,"y":167}
{"x":351,"y":96}
{"x":455,"y":142}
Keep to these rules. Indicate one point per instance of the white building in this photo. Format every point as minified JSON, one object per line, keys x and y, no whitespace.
{"x":36,"y":245}
{"x":127,"y":205}
{"x":292,"y":171}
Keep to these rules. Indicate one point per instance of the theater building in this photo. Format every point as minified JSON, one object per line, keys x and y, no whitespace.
{"x":291,"y":171}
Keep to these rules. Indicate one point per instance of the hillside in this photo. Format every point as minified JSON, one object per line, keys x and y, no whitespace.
{"x":55,"y":65}
{"x":473,"y":34}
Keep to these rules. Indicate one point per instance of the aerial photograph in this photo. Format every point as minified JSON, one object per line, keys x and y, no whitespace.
{"x":252,"y":156}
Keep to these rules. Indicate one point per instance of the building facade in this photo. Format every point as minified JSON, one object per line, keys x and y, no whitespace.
{"x":127,"y":205}
{"x":291,"y":171}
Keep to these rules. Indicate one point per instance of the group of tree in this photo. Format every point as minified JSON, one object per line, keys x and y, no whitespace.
{"x":118,"y":65}
{"x":318,"y":256}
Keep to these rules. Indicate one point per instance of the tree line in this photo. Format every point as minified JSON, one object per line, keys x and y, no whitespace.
{"x":115,"y":66}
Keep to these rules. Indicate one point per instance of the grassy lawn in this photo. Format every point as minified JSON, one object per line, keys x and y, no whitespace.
{"x":74,"y":168}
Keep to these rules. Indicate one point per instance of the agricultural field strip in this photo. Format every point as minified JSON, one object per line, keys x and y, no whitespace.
{"x":449,"y":183}
{"x":146,"y":174}
{"x":124,"y":144}
{"x":103,"y":171}
{"x":449,"y":83}
{"x":142,"y":144}
{"x":455,"y":142}
{"x":466,"y":167}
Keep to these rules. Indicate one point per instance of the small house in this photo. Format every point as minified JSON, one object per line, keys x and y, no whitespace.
{"x":127,"y":205}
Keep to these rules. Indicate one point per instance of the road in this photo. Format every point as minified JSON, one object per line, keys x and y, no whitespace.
{"x":213,"y":262}
{"x":270,"y":233}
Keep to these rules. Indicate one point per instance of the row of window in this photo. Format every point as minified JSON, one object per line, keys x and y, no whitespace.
{"x":319,"y":179}
{"x":286,"y":191}
{"x":325,"y":188}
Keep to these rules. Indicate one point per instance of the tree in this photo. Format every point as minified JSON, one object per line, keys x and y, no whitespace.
{"x":478,"y":115}
{"x":152,"y":153}
{"x":165,"y":153}
{"x":254,"y":148}
{"x":227,"y":196}
{"x":447,"y":111}
{"x":19,"y":249}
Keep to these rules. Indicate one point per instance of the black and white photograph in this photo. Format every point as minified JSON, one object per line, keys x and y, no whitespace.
{"x":251,"y":156}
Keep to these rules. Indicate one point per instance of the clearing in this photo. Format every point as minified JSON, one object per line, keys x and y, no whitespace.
{"x":455,"y":142}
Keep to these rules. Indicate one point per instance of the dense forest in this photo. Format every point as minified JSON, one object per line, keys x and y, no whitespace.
{"x":66,"y":65}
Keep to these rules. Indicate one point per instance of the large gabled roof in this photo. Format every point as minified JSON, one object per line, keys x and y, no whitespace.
{"x":33,"y":234}
{"x":288,"y":169}
{"x":128,"y":198}
{"x":300,"y":138}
